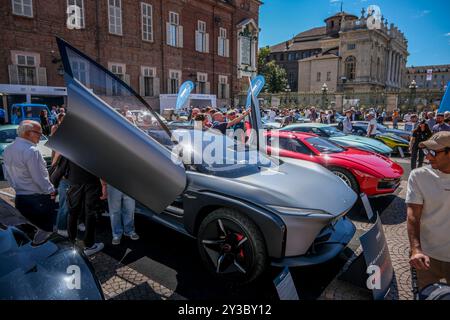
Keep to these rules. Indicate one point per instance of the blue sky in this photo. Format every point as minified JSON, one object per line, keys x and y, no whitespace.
{"x":426,"y":24}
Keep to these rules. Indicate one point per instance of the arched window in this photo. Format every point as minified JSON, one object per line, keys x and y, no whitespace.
{"x":350,"y":68}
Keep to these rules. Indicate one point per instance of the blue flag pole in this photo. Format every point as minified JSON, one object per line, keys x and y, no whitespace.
{"x":445,"y":103}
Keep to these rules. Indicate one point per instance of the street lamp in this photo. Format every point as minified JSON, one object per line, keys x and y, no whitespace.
{"x":288,"y":93}
{"x":324,"y":95}
{"x":412,"y":97}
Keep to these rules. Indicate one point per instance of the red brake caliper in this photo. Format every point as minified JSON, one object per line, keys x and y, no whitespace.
{"x":239,"y":237}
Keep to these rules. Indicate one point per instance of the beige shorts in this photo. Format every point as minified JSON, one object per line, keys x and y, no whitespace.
{"x":438,"y":271}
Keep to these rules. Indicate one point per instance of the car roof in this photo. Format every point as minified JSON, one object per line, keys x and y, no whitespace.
{"x":29,"y":105}
{"x":298,"y":135}
{"x":8,"y":126}
{"x":308,"y":125}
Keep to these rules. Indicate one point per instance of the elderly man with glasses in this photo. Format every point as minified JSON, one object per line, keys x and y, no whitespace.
{"x":428,"y":210}
{"x":25,"y":169}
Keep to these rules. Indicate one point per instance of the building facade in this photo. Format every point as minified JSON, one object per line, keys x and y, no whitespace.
{"x":153,"y":45}
{"x":347,"y":55}
{"x":428,"y":77}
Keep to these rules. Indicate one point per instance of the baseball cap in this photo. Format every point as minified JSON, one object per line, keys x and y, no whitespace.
{"x":438,"y":141}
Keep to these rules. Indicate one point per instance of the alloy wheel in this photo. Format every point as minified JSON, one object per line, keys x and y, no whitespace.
{"x":227,"y":246}
{"x":343,"y":178}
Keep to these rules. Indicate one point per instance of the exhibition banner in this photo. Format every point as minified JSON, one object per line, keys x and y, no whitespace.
{"x":184,"y":93}
{"x":285,"y":286}
{"x":257,"y":84}
{"x":378,"y":261}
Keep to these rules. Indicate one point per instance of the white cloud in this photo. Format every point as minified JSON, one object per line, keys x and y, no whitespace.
{"x":334,"y":1}
{"x":422,"y":13}
{"x":447,"y":34}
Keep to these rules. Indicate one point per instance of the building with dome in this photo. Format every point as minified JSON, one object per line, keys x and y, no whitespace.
{"x":349,"y":54}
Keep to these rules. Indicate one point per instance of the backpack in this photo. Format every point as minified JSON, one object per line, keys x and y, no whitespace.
{"x":58,"y":171}
{"x":437,"y":291}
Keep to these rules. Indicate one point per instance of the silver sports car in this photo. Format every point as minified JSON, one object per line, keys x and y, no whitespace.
{"x":247,"y":210}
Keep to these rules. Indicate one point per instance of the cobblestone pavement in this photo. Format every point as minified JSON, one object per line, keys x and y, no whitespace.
{"x":393,"y":218}
{"x":120,"y":282}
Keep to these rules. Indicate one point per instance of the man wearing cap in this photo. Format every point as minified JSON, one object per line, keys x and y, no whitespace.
{"x":372,"y":126}
{"x":447,"y":117}
{"x":440,"y":124}
{"x":431,"y":120}
{"x":428,"y":210}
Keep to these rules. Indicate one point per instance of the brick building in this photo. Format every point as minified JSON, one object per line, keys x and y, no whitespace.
{"x":154,"y":45}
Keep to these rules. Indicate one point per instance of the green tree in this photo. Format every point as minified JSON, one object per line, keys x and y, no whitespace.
{"x":276,"y":77}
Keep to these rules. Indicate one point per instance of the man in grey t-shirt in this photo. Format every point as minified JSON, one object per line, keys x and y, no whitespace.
{"x":428,"y":202}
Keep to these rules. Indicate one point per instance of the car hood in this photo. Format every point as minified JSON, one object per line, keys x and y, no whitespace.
{"x":398,"y":132}
{"x":382,"y":165}
{"x":351,"y":140}
{"x":294,"y":184}
{"x":41,"y":271}
{"x":393,"y":137}
{"x":45,"y":151}
{"x":302,"y":184}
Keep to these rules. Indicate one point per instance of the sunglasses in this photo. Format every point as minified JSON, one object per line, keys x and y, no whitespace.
{"x":432,"y":152}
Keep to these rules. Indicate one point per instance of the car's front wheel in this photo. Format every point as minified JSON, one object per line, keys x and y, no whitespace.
{"x":347,"y":177}
{"x":231,"y":246}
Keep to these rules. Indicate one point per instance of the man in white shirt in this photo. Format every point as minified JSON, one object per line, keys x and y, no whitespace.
{"x":25,"y":170}
{"x":428,"y":209}
{"x":372,"y":126}
{"x":347,"y":126}
{"x":272,"y":115}
{"x":407,"y":120}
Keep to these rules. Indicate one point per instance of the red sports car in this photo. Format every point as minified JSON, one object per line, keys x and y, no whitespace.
{"x":365,"y":172}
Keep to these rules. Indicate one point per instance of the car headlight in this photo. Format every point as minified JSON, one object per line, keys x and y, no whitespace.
{"x":300,"y":212}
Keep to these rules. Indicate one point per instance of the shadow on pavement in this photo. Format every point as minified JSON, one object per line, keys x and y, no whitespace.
{"x":172,"y":259}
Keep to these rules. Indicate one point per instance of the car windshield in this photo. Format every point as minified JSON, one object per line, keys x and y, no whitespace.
{"x":213,"y":153}
{"x":33,"y":111}
{"x":332,"y":131}
{"x":117,"y":95}
{"x":8,"y":136}
{"x":381,"y":127}
{"x":324,"y":146}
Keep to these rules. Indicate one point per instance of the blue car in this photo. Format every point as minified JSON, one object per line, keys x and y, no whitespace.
{"x":29,"y":111}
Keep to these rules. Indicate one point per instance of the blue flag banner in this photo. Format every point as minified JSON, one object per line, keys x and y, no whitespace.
{"x":184,"y":93}
{"x":445,"y":103}
{"x":256,"y":86}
